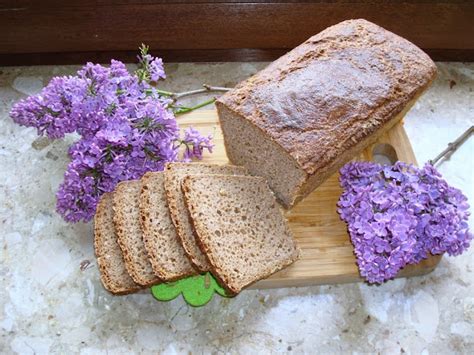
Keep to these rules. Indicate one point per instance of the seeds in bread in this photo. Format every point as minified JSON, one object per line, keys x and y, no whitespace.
{"x":113,"y":274}
{"x":240,"y":227}
{"x":174,"y":174}
{"x":127,"y":227}
{"x":167,"y":256}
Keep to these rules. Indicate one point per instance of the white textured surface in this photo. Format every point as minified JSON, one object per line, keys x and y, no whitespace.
{"x":48,"y":305}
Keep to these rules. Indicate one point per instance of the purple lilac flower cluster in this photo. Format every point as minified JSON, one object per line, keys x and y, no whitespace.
{"x":126,"y":129}
{"x":398,"y":215}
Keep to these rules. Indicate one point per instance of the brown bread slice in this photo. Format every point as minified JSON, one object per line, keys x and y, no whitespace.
{"x":113,"y":274}
{"x":167,"y":256}
{"x":174,"y":174}
{"x":240,"y":228}
{"x":127,"y":227}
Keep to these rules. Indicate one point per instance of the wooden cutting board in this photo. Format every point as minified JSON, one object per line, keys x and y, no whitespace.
{"x":327,"y":255}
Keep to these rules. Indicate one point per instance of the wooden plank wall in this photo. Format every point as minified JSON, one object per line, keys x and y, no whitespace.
{"x":53,"y":31}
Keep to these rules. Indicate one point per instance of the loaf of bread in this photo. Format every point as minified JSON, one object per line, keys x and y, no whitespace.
{"x":300,"y":119}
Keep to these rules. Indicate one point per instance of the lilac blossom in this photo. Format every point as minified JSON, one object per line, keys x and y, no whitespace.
{"x":195,"y":144}
{"x":126,"y":129}
{"x":399,"y":215}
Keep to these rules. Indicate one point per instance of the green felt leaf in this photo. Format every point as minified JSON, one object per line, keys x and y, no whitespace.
{"x":196,"y":290}
{"x":222,"y":291}
{"x":166,"y":291}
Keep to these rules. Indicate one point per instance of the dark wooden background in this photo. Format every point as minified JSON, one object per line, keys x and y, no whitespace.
{"x":54,"y":31}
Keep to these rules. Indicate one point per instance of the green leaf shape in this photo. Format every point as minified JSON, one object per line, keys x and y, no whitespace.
{"x":196,"y":290}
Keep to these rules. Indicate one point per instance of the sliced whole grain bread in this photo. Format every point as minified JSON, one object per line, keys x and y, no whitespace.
{"x":174,"y":174}
{"x":113,"y":274}
{"x":167,"y":256}
{"x":130,"y":238}
{"x":240,"y":228}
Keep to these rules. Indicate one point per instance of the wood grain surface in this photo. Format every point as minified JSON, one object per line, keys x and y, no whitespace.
{"x":53,"y":31}
{"x":327,"y":253}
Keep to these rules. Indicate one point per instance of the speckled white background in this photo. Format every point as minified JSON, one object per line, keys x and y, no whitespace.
{"x":49,"y":305}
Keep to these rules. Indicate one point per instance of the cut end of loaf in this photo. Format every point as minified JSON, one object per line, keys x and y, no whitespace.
{"x":249,"y":146}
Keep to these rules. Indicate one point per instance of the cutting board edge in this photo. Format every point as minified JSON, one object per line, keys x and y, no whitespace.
{"x":425,"y":267}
